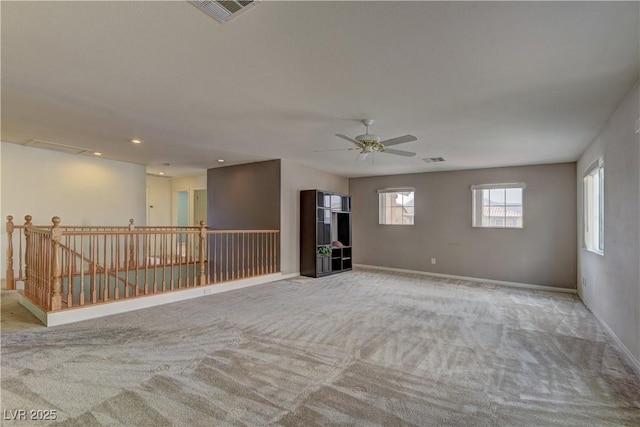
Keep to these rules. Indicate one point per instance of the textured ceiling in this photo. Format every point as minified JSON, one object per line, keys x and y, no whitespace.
{"x":482,"y":84}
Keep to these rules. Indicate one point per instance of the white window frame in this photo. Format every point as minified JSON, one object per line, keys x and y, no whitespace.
{"x":477,"y":204}
{"x":593,"y":208}
{"x":382,"y":209}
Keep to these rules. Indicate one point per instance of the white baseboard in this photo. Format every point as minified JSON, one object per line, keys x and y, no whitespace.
{"x":77,"y":314}
{"x":289,"y":275}
{"x":475,"y":279}
{"x":633,"y":361}
{"x":34,"y":309}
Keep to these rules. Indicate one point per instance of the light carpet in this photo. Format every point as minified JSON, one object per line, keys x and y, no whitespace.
{"x":365,"y":348}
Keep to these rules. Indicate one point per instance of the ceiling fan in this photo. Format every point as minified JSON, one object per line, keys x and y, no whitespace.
{"x":369,"y":143}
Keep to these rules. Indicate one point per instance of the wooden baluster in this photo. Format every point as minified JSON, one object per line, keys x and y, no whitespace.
{"x":202,"y":235}
{"x":179,"y":257}
{"x":20,"y":257}
{"x":270,"y":253}
{"x":252,"y":258}
{"x":163,"y":257}
{"x":69,"y":273}
{"x":243,"y":258}
{"x":105,"y":282}
{"x":93,"y":248}
{"x":259,"y":254}
{"x":207,"y":254}
{"x":274,"y":239}
{"x":227,"y":256}
{"x":111,"y":267}
{"x":233,"y":271}
{"x":11,"y":283}
{"x":132,"y":262}
{"x":187,"y":248}
{"x":28,"y":249}
{"x":145,"y":257}
{"x":215,"y":257}
{"x":116,"y":289}
{"x":81,"y":296}
{"x":126,"y":266}
{"x":56,"y":294}
{"x":273,"y":251}
{"x":237,"y":255}
{"x":44,"y":270}
{"x":172,"y":260}
{"x":154,"y":258}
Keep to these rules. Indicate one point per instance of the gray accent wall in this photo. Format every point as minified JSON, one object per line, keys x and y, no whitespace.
{"x":244,"y":197}
{"x":542,"y":253}
{"x":612,"y":281}
{"x":266,"y":195}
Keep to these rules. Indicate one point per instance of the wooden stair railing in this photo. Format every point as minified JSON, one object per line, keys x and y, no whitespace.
{"x":94,"y":268}
{"x":59,"y":265}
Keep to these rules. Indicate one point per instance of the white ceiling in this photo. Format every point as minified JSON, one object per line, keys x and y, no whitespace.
{"x":482,"y":84}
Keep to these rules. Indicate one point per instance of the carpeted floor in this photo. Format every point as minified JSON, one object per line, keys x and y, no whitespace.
{"x":360,"y":348}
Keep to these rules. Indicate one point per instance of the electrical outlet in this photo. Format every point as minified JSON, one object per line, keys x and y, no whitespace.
{"x":584,"y":282}
{"x":433,"y":260}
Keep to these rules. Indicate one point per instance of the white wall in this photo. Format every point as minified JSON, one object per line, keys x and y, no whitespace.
{"x":296,"y":177}
{"x":158,"y":200}
{"x":81,"y":190}
{"x":613,"y":280}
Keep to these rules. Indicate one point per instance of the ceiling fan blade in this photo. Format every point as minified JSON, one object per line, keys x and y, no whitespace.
{"x":399,"y":152}
{"x":347,"y":138}
{"x":335,"y":149}
{"x":399,"y":140}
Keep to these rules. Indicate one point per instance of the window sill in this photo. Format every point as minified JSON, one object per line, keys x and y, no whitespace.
{"x":498,"y":227}
{"x":594,"y":251}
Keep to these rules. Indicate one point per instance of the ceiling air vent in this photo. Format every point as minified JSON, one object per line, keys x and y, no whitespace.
{"x":54,"y":146}
{"x":223,"y":11}
{"x":433,"y":159}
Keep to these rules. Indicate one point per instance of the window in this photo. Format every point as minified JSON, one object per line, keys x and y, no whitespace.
{"x":593,"y":205}
{"x":497,"y":205}
{"x":396,"y":206}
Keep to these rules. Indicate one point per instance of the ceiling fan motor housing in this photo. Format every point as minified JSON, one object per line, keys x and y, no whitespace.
{"x":368,"y":138}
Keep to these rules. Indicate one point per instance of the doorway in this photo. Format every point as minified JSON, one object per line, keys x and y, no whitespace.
{"x":199,"y":206}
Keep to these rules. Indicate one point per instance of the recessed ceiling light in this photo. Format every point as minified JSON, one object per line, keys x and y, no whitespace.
{"x":220,"y":160}
{"x":136,"y":141}
{"x":97,"y":153}
{"x":160,"y":173}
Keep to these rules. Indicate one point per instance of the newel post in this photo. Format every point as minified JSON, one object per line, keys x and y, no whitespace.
{"x":203,"y":233}
{"x":27,"y":246}
{"x":132,"y":262}
{"x":11,"y":284}
{"x":56,"y":283}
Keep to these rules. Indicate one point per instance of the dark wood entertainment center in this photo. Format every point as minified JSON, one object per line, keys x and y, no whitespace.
{"x":325,"y":222}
